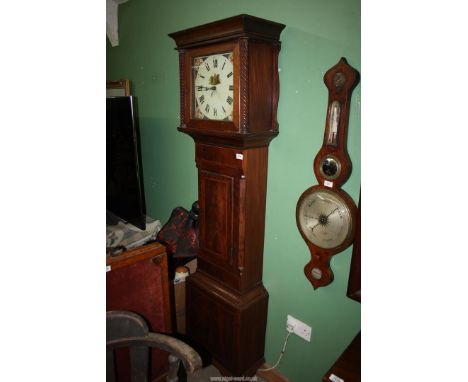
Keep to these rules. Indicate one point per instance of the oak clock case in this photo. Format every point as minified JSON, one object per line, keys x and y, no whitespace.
{"x":229,"y":90}
{"x":325,"y":214}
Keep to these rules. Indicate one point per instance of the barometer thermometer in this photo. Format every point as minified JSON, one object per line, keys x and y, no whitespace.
{"x":325,"y":214}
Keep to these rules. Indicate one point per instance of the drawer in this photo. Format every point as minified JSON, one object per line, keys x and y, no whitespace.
{"x":220,"y":159}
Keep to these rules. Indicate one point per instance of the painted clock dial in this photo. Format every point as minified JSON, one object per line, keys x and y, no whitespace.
{"x":213,"y":87}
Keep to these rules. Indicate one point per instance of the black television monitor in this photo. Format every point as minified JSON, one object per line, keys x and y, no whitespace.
{"x":124,"y":176}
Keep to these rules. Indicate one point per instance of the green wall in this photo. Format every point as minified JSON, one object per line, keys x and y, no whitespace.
{"x":317,"y":34}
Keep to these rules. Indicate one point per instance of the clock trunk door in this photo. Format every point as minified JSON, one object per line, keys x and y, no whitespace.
{"x":216,"y":198}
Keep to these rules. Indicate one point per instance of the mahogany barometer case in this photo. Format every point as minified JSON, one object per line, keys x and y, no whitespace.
{"x":229,"y":90}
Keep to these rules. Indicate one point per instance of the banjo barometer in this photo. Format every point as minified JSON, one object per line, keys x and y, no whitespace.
{"x":325,"y":214}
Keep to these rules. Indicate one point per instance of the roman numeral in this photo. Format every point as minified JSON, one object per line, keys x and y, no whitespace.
{"x":207,"y":108}
{"x":215,"y":63}
{"x":202,"y":99}
{"x":200,"y":87}
{"x":207,"y":66}
{"x":225,"y":112}
{"x":229,"y":75}
{"x":229,"y":100}
{"x":201,"y":76}
{"x":231,"y":87}
{"x":224,"y":63}
{"x":215,"y":112}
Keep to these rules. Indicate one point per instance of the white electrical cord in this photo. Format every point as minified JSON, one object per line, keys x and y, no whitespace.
{"x":290,"y":330}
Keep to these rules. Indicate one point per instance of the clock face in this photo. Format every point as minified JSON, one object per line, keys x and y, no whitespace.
{"x":324,"y":218}
{"x":213,"y":87}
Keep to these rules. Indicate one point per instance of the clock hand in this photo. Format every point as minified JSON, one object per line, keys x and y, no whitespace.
{"x":332,"y":211}
{"x":311,"y":217}
{"x":314,"y":227}
{"x":322,"y":220}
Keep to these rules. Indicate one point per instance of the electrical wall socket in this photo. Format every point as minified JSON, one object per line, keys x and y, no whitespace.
{"x":299,"y":328}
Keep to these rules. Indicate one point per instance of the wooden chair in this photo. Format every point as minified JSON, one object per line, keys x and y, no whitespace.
{"x":126,"y":329}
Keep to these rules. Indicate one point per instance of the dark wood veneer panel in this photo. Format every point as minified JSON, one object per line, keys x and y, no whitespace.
{"x":261,"y":84}
{"x":255,"y":205}
{"x":216,"y":197}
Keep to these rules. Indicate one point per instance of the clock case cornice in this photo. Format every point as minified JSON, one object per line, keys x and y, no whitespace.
{"x":228,"y":29}
{"x":256,"y":43}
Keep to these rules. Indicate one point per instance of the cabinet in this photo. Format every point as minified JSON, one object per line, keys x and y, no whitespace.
{"x":137,"y":281}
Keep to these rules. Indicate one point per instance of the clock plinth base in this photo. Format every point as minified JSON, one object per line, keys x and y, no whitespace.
{"x":232,"y":325}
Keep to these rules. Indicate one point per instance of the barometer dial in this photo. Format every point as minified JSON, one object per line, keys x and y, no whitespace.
{"x":324,"y":218}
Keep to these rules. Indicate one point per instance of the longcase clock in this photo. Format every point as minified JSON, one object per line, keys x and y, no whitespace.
{"x":229,"y":90}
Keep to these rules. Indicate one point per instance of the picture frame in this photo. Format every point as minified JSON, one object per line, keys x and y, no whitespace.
{"x":118,"y":88}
